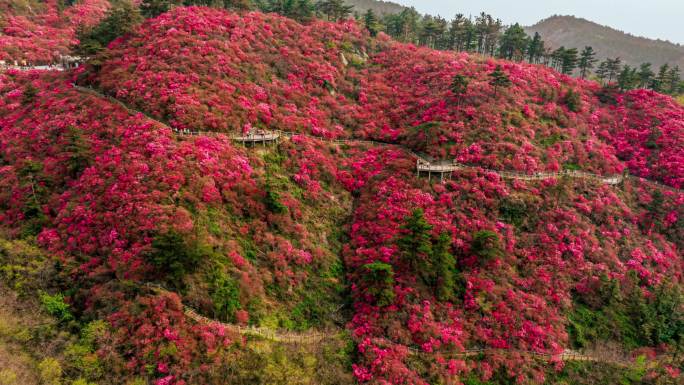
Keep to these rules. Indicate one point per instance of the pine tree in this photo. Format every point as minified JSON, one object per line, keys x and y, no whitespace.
{"x":379,"y":278}
{"x":370,"y":21}
{"x":609,"y":68}
{"x":535,"y":50}
{"x":118,"y":21}
{"x":586,"y":61}
{"x":602,"y":71}
{"x":645,"y":75}
{"x":659,"y":83}
{"x":673,"y":80}
{"x":154,"y":8}
{"x":459,"y":85}
{"x":334,"y":10}
{"x":628,"y":78}
{"x":415,"y":245}
{"x":446,"y":276}
{"x":514,"y":42}
{"x":569,"y":61}
{"x":499,"y":79}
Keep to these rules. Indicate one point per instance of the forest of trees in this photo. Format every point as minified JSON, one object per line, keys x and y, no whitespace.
{"x":484,"y":35}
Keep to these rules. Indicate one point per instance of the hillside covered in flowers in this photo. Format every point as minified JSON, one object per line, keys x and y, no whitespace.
{"x":405,"y":275}
{"x":41,"y":31}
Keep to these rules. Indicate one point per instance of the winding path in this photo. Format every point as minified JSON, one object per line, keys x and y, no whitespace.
{"x":422,"y":164}
{"x":314,"y":337}
{"x":310,"y":338}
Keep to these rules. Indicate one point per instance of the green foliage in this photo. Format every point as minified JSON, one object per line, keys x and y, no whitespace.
{"x":380,"y":278}
{"x":513,"y":211}
{"x":624,"y":313}
{"x":415,"y":244}
{"x":486,"y":245}
{"x":225,"y":295}
{"x":154,"y":8}
{"x":79,"y":152}
{"x":449,"y":284}
{"x":573,"y":100}
{"x":174,"y":257}
{"x":273,"y":204}
{"x":499,"y":79}
{"x":50,"y":372}
{"x":550,"y":140}
{"x":370,"y":21}
{"x":55,"y":306}
{"x":8,"y":377}
{"x":459,"y":85}
{"x":29,"y":93}
{"x":571,"y":166}
{"x":81,"y":356}
{"x":120,"y":20}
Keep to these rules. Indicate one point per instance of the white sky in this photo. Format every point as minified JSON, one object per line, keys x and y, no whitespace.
{"x":663,"y":19}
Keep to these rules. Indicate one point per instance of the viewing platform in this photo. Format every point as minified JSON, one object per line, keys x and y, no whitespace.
{"x":64,"y":63}
{"x":441,"y":168}
{"x":259,"y":136}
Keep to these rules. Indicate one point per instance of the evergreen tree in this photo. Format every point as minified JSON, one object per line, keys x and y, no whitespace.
{"x":334,"y":10}
{"x":673,"y":80}
{"x":535,"y":50}
{"x":586,"y":61}
{"x":499,"y":79}
{"x":568,"y":61}
{"x":609,"y":69}
{"x":446,"y":279}
{"x":628,"y":78}
{"x":514,"y":42}
{"x":154,"y":8}
{"x":660,"y":81}
{"x":459,"y":85}
{"x":370,"y":21}
{"x":380,"y":280}
{"x":415,"y":245}
{"x":645,"y":75}
{"x":602,"y":71}
{"x":486,"y":245}
{"x":118,"y":21}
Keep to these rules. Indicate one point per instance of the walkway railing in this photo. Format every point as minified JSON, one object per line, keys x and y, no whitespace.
{"x":422,"y":164}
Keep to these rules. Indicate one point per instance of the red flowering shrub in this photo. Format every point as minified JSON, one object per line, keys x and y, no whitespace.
{"x":115,"y":194}
{"x":41,"y":35}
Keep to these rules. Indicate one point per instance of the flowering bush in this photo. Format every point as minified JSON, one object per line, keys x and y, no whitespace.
{"x":41,"y":35}
{"x":99,"y":186}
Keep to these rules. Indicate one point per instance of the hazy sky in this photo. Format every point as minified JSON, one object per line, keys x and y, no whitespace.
{"x":662,"y":19}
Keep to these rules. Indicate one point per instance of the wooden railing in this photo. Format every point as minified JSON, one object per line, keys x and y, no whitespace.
{"x":422,"y":164}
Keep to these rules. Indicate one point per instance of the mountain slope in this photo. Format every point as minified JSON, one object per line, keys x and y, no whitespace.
{"x":309,"y":231}
{"x":573,"y":32}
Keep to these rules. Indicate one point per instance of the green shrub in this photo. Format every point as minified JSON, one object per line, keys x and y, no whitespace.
{"x":513,"y":211}
{"x":624,"y":313}
{"x":8,"y":377}
{"x":380,"y":277}
{"x":50,"y":372}
{"x":486,"y":245}
{"x":272,"y":201}
{"x":573,"y":101}
{"x":225,"y":295}
{"x":174,"y":256}
{"x":55,"y":306}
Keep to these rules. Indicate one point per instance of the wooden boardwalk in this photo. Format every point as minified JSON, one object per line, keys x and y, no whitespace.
{"x":423,"y":166}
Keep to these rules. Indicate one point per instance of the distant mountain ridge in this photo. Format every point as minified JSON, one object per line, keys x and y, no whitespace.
{"x":574,"y":32}
{"x":378,"y":6}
